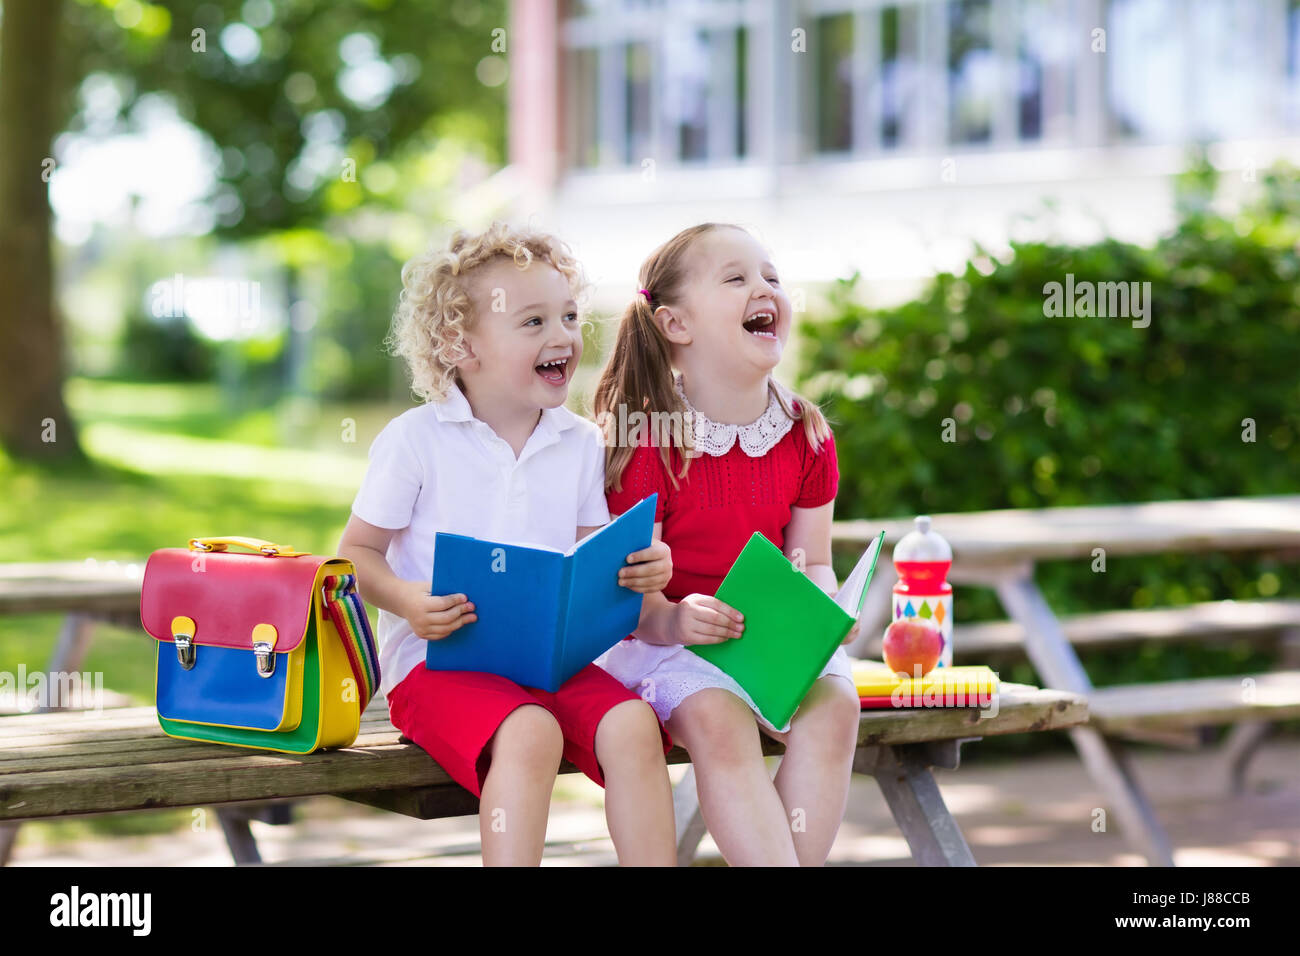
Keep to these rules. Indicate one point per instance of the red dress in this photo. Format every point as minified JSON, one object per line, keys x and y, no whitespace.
{"x":723,"y":500}
{"x":707,"y":520}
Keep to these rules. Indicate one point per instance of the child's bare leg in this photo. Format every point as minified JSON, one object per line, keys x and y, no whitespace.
{"x":740,"y":806}
{"x":638,"y":793}
{"x":813,"y":779}
{"x":516,"y":797}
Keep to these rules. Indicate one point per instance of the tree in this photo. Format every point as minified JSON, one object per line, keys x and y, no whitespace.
{"x":34,"y":422}
{"x":257,"y":78}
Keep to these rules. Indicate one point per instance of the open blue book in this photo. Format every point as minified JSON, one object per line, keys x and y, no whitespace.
{"x":543,"y":615}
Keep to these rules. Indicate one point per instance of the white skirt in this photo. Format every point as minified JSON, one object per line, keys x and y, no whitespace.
{"x":665,"y":676}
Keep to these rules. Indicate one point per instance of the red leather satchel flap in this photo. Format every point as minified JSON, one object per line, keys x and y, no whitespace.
{"x":230,"y":596}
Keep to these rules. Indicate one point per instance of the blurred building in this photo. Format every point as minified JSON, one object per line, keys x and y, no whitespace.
{"x":884,"y":136}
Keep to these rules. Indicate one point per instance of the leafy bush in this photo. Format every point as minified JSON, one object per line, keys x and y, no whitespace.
{"x":163,"y":350}
{"x":1045,"y":411}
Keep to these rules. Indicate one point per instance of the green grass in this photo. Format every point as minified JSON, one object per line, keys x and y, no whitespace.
{"x":167,"y":464}
{"x":169,"y":408}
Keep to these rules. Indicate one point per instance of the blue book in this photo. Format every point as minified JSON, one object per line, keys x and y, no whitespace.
{"x":543,"y":615}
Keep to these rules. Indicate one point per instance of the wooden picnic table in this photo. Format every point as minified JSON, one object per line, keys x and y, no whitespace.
{"x":69,"y":763}
{"x":996,"y":549}
{"x":999,"y":549}
{"x":120,"y":760}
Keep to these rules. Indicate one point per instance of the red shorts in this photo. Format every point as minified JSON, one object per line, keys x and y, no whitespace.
{"x":453,"y":715}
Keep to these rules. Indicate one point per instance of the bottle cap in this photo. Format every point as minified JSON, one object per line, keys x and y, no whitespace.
{"x":922,"y":544}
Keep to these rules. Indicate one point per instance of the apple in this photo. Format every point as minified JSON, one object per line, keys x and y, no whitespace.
{"x":912,"y":648}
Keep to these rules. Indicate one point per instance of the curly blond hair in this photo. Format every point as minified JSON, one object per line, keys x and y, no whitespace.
{"x":434,"y":311}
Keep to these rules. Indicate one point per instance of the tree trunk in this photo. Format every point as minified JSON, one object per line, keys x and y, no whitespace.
{"x":34,"y":422}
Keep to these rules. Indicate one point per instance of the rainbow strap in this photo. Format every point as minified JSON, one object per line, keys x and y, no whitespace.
{"x":349,"y":617}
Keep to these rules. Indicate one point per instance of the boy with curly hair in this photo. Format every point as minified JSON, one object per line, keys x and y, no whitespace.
{"x":489,"y":329}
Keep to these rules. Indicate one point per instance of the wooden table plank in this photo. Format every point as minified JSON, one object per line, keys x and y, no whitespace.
{"x":148,"y":747}
{"x":88,"y":730}
{"x":380,"y":762}
{"x":1205,"y":701}
{"x":72,"y":586}
{"x":1206,"y":622}
{"x":114,"y":730}
{"x":1033,"y":534}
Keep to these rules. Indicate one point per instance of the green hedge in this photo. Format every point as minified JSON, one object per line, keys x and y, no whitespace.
{"x":1046,"y":411}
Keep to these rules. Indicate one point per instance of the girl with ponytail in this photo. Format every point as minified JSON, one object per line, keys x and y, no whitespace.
{"x":730,"y":451}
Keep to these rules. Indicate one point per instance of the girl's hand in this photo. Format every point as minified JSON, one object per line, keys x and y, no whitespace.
{"x":703,"y":619}
{"x":650,"y":569}
{"x":434,"y":616}
{"x":853,"y":631}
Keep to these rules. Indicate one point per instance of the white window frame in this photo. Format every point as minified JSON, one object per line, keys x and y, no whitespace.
{"x":608,"y":33}
{"x":781,"y":145}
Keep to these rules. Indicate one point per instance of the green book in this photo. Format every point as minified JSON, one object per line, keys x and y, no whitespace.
{"x":792,"y":626}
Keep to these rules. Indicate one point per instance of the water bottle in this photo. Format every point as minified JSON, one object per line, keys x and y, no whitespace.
{"x":922,"y":559}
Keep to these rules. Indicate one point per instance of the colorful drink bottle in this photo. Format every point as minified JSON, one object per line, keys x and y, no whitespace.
{"x":922,"y":559}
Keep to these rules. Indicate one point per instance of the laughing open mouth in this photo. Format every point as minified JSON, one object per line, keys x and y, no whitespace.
{"x":554,"y":372}
{"x":762,"y":324}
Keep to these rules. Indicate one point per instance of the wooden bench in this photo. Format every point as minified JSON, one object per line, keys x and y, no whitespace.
{"x":1269,"y":697}
{"x":999,"y":549}
{"x":1159,"y":712}
{"x":68,"y":763}
{"x":85,"y":594}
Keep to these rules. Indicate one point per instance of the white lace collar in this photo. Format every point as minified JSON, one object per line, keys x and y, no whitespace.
{"x":756,"y":439}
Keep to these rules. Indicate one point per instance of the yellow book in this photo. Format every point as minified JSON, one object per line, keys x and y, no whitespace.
{"x":878,"y":686}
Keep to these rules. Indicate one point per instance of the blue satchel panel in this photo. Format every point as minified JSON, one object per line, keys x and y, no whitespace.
{"x":224,"y":689}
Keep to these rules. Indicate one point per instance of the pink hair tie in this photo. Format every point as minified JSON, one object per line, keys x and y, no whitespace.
{"x":646,"y":293}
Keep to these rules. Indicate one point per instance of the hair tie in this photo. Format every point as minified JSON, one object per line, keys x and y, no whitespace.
{"x":646,"y":293}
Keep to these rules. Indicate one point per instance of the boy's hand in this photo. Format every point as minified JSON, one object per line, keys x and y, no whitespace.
{"x":648,"y":570}
{"x":435,"y":616}
{"x":703,"y":619}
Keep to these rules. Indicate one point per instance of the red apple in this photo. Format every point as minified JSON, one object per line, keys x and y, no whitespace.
{"x":911,"y":645}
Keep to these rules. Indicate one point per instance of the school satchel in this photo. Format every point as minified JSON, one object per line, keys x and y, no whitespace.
{"x":271,"y":650}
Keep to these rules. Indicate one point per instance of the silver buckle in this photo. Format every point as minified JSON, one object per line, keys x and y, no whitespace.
{"x":265,"y":658}
{"x":185,"y":650}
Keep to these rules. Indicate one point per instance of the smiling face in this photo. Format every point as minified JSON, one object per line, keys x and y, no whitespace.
{"x":525,"y":340}
{"x":732,"y":304}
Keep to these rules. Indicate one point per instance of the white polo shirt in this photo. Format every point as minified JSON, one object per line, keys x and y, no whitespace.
{"x":438,"y":468}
